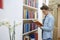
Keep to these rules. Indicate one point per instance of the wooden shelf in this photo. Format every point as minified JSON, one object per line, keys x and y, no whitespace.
{"x":30,"y":7}
{"x":30,"y":32}
{"x":28,"y":19}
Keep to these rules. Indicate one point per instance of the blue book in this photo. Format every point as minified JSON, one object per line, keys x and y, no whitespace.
{"x":27,"y":27}
{"x":36,"y":27}
{"x":27,"y":14}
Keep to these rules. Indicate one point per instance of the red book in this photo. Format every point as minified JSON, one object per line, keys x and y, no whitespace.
{"x":36,"y":36}
{"x":32,"y":26}
{"x":1,"y":3}
{"x":29,"y":2}
{"x":38,"y":23}
{"x":31,"y":14}
{"x":34,"y":3}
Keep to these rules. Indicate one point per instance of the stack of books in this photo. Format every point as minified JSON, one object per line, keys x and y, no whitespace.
{"x":29,"y":27}
{"x":28,"y":14}
{"x":32,"y":3}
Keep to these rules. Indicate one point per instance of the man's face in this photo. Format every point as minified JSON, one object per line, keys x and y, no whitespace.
{"x":44,"y":11}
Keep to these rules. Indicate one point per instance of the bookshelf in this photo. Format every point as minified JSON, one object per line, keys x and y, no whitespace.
{"x":30,"y":13}
{"x":30,"y":7}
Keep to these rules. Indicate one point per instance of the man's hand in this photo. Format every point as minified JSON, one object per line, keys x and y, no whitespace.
{"x":37,"y":23}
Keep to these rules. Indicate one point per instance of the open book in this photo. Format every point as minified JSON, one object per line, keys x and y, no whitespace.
{"x":38,"y":23}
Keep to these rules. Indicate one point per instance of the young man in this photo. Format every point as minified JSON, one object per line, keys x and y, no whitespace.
{"x":48,"y":24}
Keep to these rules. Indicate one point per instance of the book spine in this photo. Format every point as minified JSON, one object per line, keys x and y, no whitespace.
{"x":30,"y":15}
{"x":36,"y":36}
{"x":24,"y":13}
{"x":27,"y":14}
{"x":36,"y":27}
{"x":27,"y":27}
{"x":29,"y":2}
{"x":24,"y":28}
{"x":26,"y":2}
{"x":36,"y":15}
{"x":36,"y":4}
{"x":33,"y":26}
{"x":32,"y":3}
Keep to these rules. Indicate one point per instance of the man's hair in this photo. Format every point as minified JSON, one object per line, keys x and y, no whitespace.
{"x":44,"y":7}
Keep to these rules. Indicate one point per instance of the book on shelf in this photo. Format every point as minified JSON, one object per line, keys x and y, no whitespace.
{"x":26,"y":27}
{"x":32,"y":26}
{"x":36,"y":15}
{"x":36,"y":5}
{"x":32,"y":3}
{"x":36,"y":36}
{"x":24,"y":13}
{"x":26,"y":2}
{"x":28,"y":14}
{"x":29,"y":27}
{"x":36,"y":27}
{"x":31,"y":14}
{"x":29,"y":2}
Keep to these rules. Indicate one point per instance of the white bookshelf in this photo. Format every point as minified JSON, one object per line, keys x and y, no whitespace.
{"x":30,"y":7}
{"x":30,"y":20}
{"x":30,"y":32}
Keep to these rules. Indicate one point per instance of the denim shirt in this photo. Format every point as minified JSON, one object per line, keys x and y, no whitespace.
{"x":48,"y":27}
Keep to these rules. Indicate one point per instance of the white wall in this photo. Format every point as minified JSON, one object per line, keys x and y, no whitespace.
{"x":11,"y":11}
{"x":47,"y":2}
